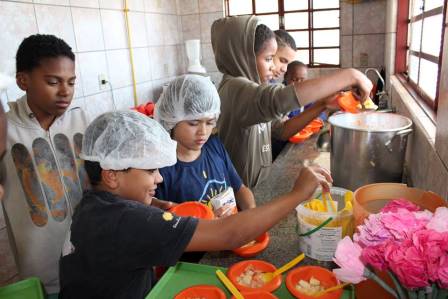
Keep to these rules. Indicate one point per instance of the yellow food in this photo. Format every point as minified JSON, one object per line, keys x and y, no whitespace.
{"x":368,"y":104}
{"x":251,"y":277}
{"x":310,"y":287}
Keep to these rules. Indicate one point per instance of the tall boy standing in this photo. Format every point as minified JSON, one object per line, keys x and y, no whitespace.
{"x":44,"y":180}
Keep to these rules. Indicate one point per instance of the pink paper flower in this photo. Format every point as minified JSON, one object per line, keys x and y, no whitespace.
{"x":403,"y":223}
{"x":407,"y":262}
{"x":347,"y":257}
{"x":372,"y":232}
{"x":432,"y":245}
{"x":439,"y":221}
{"x":374,"y":256}
{"x":443,"y":272}
{"x":398,"y":204}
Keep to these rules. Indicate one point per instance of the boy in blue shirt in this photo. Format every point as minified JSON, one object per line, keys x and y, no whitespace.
{"x":189,"y":108}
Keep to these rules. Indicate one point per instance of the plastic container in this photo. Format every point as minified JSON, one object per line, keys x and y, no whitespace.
{"x":373,"y":197}
{"x":193,"y":209}
{"x":320,"y":232}
{"x":257,"y":295}
{"x":250,"y":251}
{"x":236,"y":269}
{"x":301,"y":136}
{"x":30,"y":288}
{"x":326,"y":278}
{"x":201,"y":291}
{"x":348,"y":102}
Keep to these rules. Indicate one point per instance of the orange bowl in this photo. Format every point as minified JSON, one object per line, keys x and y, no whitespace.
{"x":326,"y":277}
{"x":249,"y":251}
{"x":199,"y":291}
{"x":348,"y":102}
{"x":237,"y":269}
{"x":301,"y":136}
{"x":315,"y":125}
{"x":257,"y":295}
{"x":193,"y":209}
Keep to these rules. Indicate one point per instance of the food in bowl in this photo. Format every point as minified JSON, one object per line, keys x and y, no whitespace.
{"x":251,"y":277}
{"x":311,"y":287}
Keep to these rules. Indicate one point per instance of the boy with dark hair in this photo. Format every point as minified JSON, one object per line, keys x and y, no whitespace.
{"x":44,"y":181}
{"x":286,"y":52}
{"x":249,"y":103}
{"x":117,"y":233}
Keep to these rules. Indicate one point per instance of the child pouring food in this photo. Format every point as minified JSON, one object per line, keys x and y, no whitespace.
{"x":117,"y":235}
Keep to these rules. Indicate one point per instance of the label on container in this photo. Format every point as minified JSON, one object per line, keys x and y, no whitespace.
{"x":224,"y":203}
{"x":320,"y":245}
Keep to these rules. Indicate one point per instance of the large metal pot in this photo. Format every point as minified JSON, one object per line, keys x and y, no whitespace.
{"x":368,"y":148}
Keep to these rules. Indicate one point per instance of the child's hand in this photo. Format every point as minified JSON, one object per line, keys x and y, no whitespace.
{"x":310,"y":178}
{"x":224,"y":211}
{"x":362,"y":87}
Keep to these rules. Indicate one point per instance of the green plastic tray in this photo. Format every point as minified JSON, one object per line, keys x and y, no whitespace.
{"x":184,"y":275}
{"x":29,"y":288}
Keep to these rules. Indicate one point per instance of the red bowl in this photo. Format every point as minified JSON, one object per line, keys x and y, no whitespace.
{"x":326,"y":277}
{"x":198,"y":291}
{"x":236,"y":269}
{"x":257,"y":295}
{"x":193,"y":209}
{"x":301,"y":136}
{"x":249,"y":251}
{"x":348,"y":102}
{"x":315,"y":125}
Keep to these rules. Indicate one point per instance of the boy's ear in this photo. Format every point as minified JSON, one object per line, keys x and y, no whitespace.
{"x":109,"y":178}
{"x":22,"y":80}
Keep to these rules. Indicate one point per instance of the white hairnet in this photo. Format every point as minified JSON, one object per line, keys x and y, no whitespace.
{"x":187,"y":97}
{"x":128,"y":139}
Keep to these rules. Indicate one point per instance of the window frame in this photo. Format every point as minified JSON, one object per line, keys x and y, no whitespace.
{"x":310,"y":29}
{"x":401,"y":57}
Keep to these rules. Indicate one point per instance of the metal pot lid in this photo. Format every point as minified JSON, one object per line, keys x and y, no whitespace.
{"x":370,"y":121}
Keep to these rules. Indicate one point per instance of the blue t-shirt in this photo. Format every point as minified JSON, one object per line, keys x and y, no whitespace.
{"x":210,"y":174}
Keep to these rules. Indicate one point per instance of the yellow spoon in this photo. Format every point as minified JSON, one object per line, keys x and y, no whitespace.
{"x":336,"y":287}
{"x":268,"y":276}
{"x":229,"y":285}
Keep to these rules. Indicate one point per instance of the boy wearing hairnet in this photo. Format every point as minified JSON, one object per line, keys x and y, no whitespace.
{"x":117,"y":235}
{"x":189,"y":109}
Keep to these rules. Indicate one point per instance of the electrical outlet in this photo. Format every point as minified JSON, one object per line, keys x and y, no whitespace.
{"x":102,"y":80}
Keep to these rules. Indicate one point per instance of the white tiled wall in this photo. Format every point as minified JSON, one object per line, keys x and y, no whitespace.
{"x":95,"y":29}
{"x":197,"y":17}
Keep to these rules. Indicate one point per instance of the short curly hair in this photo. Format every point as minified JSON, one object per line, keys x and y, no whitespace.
{"x":36,"y":47}
{"x":262,"y":34}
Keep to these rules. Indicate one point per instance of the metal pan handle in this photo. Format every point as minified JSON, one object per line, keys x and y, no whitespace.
{"x":387,"y":144}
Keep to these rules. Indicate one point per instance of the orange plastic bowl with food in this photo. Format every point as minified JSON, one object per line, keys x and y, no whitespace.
{"x":326,"y":278}
{"x":251,"y":250}
{"x":257,"y":295}
{"x":301,"y":136}
{"x":348,"y":102}
{"x":241,"y":275}
{"x":193,"y":209}
{"x":315,"y":125}
{"x":201,"y":291}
